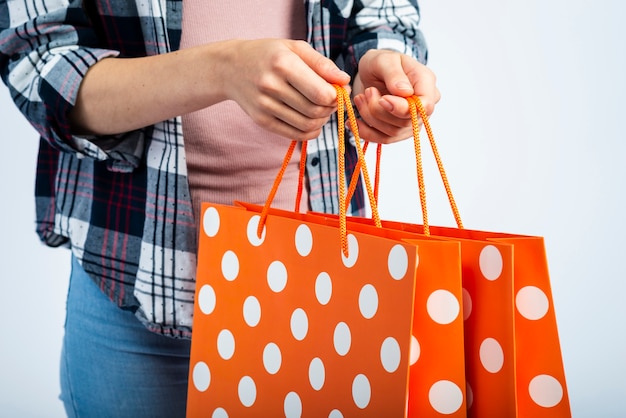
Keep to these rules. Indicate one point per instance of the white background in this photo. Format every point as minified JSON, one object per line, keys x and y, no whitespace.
{"x":530,"y":131}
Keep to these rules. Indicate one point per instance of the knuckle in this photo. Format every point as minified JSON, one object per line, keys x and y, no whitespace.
{"x":324,"y":96}
{"x":311,"y":125}
{"x":266,"y":83}
{"x":319,"y":113}
{"x":282,"y":62}
{"x":312,"y":134}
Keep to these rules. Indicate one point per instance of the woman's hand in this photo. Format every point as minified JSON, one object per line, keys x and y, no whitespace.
{"x":284,"y":86}
{"x":384,"y":80}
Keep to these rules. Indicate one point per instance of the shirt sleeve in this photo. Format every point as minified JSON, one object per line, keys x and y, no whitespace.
{"x":46,"y":48}
{"x":384,"y":24}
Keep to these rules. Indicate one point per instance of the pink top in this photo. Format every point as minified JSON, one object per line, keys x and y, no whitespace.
{"x":228,"y":156}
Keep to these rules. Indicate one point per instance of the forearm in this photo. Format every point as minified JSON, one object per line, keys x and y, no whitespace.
{"x":122,"y":94}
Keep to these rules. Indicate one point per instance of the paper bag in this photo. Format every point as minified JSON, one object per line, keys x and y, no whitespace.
{"x":286,"y":325}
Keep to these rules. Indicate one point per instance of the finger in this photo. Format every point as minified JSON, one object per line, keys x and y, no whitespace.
{"x":389,"y":67}
{"x":322,"y":65}
{"x":274,"y":115}
{"x":372,"y":134}
{"x":394,"y":105}
{"x":424,"y":86}
{"x":300,"y":103}
{"x":387,"y":115}
{"x":276,"y":85}
{"x":314,"y":78}
{"x":378,"y":129}
{"x":286,"y":130}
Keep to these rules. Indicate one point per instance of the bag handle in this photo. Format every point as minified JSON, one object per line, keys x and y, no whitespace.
{"x":344,"y":105}
{"x":417,"y":112}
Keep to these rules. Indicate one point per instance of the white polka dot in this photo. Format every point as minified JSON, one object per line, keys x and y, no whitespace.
{"x":467,"y":304}
{"x":390,"y":354}
{"x":219,"y":413}
{"x":299,"y":324}
{"x":206,"y":299}
{"x":353,"y":252}
{"x":490,"y":262}
{"x":252,"y":311}
{"x":201,"y":376}
{"x":491,"y":355}
{"x":443,"y":307}
{"x":361,"y":391}
{"x":230,"y":266}
{"x":445,"y":397}
{"x":293,"y":405}
{"x":335,"y":413}
{"x":317,"y":373}
{"x":304,"y":240}
{"x":398,"y":262}
{"x":272,"y":358}
{"x":470,"y":395}
{"x":368,"y":301}
{"x":247,"y":391}
{"x":532,"y":303}
{"x":253,"y":225}
{"x":545,"y":391}
{"x":415,"y":351}
{"x":211,"y":222}
{"x":342,"y":338}
{"x":323,"y":288}
{"x":226,"y":344}
{"x":277,"y":276}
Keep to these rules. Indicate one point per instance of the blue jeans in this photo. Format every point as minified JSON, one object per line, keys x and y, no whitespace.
{"x":111,"y":366}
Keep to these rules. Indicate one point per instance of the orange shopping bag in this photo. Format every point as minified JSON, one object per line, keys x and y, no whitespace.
{"x":293,"y":321}
{"x":513,"y":358}
{"x":512,"y":352}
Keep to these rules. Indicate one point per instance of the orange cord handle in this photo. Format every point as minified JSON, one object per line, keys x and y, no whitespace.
{"x":417,"y":111}
{"x":274,"y":189}
{"x":343,"y":105}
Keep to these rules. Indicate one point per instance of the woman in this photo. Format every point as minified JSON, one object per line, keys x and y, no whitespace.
{"x":146,"y":109}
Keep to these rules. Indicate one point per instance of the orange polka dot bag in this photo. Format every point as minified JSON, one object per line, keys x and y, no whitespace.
{"x":312,"y":315}
{"x":513,"y":359}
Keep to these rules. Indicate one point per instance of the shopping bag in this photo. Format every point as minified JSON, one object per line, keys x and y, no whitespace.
{"x":289,"y":326}
{"x":513,"y":357}
{"x":289,"y":322}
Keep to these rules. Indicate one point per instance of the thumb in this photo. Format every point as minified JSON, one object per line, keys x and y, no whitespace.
{"x":392,"y":69}
{"x":397,"y":81}
{"x":324,"y":67}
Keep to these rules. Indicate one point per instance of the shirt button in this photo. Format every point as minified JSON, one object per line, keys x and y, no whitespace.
{"x":315,"y":161}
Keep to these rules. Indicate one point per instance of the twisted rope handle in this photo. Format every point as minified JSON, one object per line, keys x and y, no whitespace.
{"x":343,"y":105}
{"x":417,"y":111}
{"x":274,"y":189}
{"x":415,"y":108}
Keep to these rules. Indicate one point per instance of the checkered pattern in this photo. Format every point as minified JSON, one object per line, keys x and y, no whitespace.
{"x":122,"y":203}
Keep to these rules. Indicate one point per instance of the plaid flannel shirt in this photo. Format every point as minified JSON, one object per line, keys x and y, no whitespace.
{"x":122,"y":202}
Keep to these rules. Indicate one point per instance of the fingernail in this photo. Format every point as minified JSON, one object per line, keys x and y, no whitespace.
{"x":385,"y":105}
{"x":404,"y":85}
{"x":340,"y":72}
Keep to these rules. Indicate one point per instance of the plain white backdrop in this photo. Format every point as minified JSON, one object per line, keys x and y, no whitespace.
{"x":530,"y":129}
